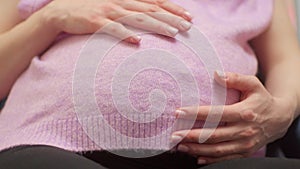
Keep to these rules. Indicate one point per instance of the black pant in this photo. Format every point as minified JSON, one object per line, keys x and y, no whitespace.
{"x":45,"y":157}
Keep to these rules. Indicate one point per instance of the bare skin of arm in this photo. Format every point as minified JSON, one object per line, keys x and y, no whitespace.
{"x":15,"y":51}
{"x":21,"y":40}
{"x":279,"y":56}
{"x":264,"y":113}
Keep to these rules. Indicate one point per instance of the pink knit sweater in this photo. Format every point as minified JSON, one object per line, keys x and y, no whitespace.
{"x":71,"y":99}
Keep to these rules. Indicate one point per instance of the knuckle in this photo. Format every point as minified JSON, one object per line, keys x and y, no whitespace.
{"x":256,"y":81}
{"x":249,"y":115}
{"x":235,"y":78}
{"x":154,"y":8}
{"x":114,"y":27}
{"x":218,"y":152}
{"x":191,"y":137}
{"x":248,"y":132}
{"x":160,"y":2}
{"x":113,"y":30}
{"x":213,"y":137}
{"x":139,"y":17}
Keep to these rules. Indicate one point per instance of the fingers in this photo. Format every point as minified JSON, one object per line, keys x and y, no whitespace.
{"x":220,"y":134}
{"x":152,"y":9}
{"x":173,"y":20}
{"x":150,"y":16}
{"x":202,"y":112}
{"x":88,"y":17}
{"x":215,"y":150}
{"x":171,"y":7}
{"x":240,"y":82}
{"x":229,"y":113}
{"x":146,"y":22}
{"x":119,"y":31}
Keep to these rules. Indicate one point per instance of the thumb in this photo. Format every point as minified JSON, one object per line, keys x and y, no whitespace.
{"x":236,"y":81}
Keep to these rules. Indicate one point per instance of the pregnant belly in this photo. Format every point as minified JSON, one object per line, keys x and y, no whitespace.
{"x":132,"y":90}
{"x":143,"y":85}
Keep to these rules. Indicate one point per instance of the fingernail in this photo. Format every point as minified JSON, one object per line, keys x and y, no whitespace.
{"x":183,"y":148}
{"x":221,"y":74}
{"x":201,"y":161}
{"x":185,"y":25}
{"x":180,"y":113}
{"x":130,"y":40}
{"x":187,"y":15}
{"x":135,"y":39}
{"x":171,"y":31}
{"x":176,"y":138}
{"x":138,"y":38}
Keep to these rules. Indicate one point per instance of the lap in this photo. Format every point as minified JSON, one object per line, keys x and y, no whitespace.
{"x":46,"y":157}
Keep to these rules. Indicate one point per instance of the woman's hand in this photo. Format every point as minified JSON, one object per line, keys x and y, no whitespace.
{"x":88,"y":16}
{"x":258,"y":119}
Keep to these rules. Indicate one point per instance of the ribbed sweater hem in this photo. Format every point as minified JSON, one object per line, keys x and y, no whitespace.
{"x":90,"y":134}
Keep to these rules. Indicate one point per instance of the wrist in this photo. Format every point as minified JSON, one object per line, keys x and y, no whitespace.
{"x":291,"y":102}
{"x":51,"y":19}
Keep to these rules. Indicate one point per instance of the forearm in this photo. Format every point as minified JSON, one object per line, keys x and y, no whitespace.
{"x":283,"y":81}
{"x":19,"y":45}
{"x":278,"y":53}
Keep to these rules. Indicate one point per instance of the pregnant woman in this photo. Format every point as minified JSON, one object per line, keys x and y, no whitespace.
{"x":49,"y":119}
